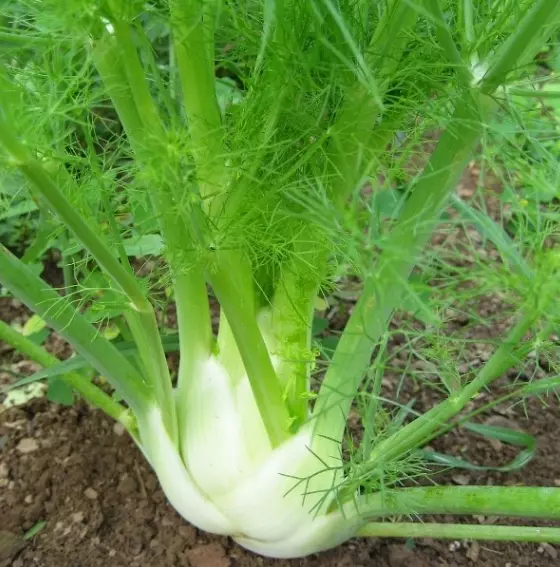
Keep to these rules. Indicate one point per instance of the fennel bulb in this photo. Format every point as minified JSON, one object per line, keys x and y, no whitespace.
{"x":227,"y":479}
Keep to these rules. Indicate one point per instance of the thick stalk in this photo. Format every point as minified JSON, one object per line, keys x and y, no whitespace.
{"x":83,"y":386}
{"x":514,"y":501}
{"x":144,"y":128}
{"x":84,"y":337}
{"x":413,"y":434}
{"x":528,"y":37}
{"x":460,"y":532}
{"x":235,"y":292}
{"x":292,"y":316}
{"x":445,"y":38}
{"x":137,"y":81}
{"x":195,"y":332}
{"x":190,"y":36}
{"x":467,"y":19}
{"x":383,"y":291}
{"x":107,"y":59}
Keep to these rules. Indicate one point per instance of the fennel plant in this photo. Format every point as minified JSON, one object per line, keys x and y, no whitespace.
{"x":255,"y":185}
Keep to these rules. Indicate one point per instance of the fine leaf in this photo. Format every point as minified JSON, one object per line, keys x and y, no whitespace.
{"x":76,"y":363}
{"x":18,"y":210}
{"x":33,"y":325}
{"x":490,"y":230}
{"x":60,"y":392}
{"x":33,"y":531}
{"x":542,"y":387}
{"x":503,"y":434}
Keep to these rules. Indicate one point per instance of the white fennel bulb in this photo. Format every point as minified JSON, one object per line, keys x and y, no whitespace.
{"x":227,"y":478}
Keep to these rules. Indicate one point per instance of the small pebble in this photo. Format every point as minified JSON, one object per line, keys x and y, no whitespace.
{"x":78,"y":517}
{"x":127,"y":485}
{"x":27,"y":445}
{"x":548,"y":549}
{"x":454,"y":546}
{"x":90,"y":493}
{"x":474,"y":551}
{"x":118,"y":429}
{"x":28,"y":499}
{"x":461,"y":479}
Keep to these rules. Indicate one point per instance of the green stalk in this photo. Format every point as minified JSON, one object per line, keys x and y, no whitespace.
{"x":232,"y":288}
{"x":67,"y":269}
{"x":140,"y":316}
{"x":460,"y":532}
{"x":355,"y":127}
{"x":445,"y":38}
{"x":356,"y":146}
{"x":84,"y":337}
{"x":384,"y":289}
{"x":131,"y":96}
{"x":137,"y":81}
{"x":292,"y":316}
{"x":413,"y":434}
{"x":235,"y":295}
{"x":536,"y":25}
{"x":144,"y":326}
{"x":514,"y":501}
{"x":468,"y":21}
{"x":58,"y":203}
{"x":211,"y":10}
{"x":24,"y":40}
{"x":199,"y":94}
{"x":195,"y":332}
{"x":532,"y":93}
{"x":94,"y":395}
{"x":108,"y":62}
{"x":516,"y":355}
